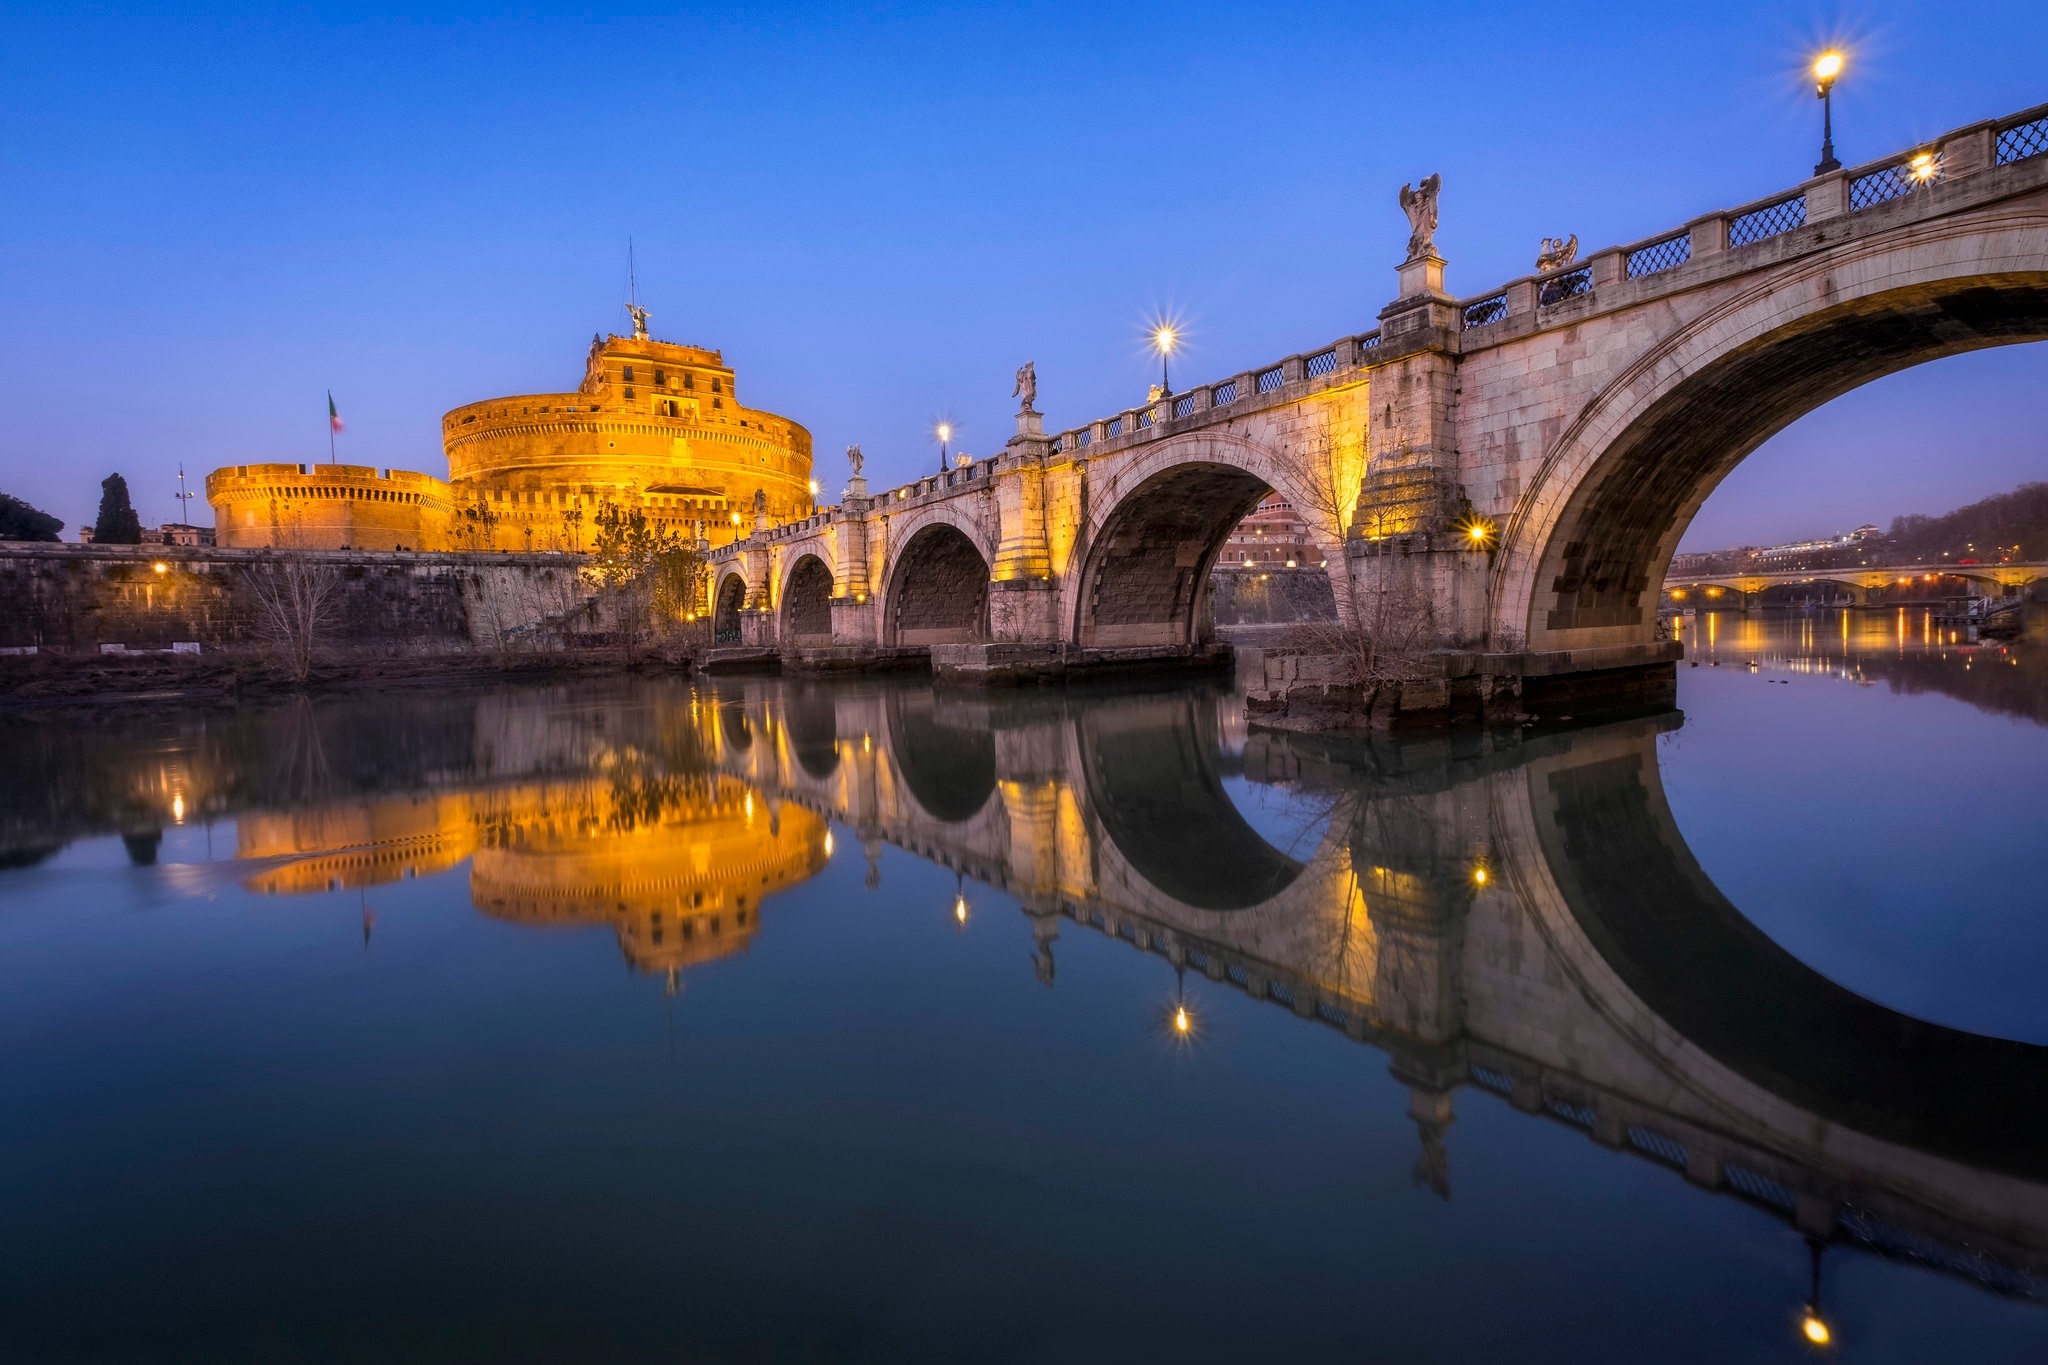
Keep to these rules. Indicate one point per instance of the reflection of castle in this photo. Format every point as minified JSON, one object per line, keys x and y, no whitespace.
{"x":679,"y":867}
{"x":654,"y":426}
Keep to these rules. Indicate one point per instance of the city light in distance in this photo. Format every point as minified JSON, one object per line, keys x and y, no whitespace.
{"x":161,"y":567}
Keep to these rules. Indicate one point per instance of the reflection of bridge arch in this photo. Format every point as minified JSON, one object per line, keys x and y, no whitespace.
{"x":938,"y":589}
{"x":1167,"y":515}
{"x":1584,"y":552}
{"x":949,"y":769}
{"x":1656,"y":925}
{"x":1159,"y":799}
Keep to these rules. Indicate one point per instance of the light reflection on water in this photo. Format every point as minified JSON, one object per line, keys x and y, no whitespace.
{"x":1021,"y":1026}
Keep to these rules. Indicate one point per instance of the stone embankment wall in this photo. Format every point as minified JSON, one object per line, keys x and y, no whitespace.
{"x":80,"y":597}
{"x":1270,"y":596}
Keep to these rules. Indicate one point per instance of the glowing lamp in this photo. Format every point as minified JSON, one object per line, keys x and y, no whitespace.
{"x":1181,"y":1022}
{"x":1827,"y":66}
{"x":1479,"y":876}
{"x":1815,"y":1330}
{"x":161,"y":567}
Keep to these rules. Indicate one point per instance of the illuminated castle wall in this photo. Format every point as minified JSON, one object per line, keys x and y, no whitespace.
{"x":654,"y":426}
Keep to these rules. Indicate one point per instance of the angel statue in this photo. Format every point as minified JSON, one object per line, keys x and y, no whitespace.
{"x":1027,"y":386}
{"x":1420,"y":206}
{"x":639,"y":321}
{"x":855,"y":458}
{"x":1557,"y":252}
{"x":760,"y":503}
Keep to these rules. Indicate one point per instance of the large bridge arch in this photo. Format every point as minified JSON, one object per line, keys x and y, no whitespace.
{"x":938,"y":584}
{"x":1583,"y":555}
{"x":807,"y":602}
{"x":1166,"y":517}
{"x":726,"y":604}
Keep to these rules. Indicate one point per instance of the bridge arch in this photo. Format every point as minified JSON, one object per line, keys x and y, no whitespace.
{"x":1168,"y":513}
{"x":807,"y":602}
{"x":1583,"y":557}
{"x":938,"y":586}
{"x":726,"y":604}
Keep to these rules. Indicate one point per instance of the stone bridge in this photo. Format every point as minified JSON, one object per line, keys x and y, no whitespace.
{"x":1506,"y":474}
{"x":1981,"y":580}
{"x":1521,"y":917}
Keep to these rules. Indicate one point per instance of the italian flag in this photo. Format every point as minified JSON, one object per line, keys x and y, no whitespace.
{"x":333,"y":416}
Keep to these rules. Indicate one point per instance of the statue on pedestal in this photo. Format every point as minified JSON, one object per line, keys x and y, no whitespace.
{"x":1026,"y":387}
{"x":1557,"y":253}
{"x":639,"y":321}
{"x":855,"y":458}
{"x":1420,"y":206}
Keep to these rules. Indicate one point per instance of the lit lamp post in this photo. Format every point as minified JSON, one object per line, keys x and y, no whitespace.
{"x":1825,"y":68}
{"x":1163,"y":341}
{"x":945,"y":434}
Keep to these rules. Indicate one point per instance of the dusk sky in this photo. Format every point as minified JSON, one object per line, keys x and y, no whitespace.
{"x":877,"y":213}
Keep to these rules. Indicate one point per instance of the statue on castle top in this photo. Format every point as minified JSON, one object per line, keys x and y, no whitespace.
{"x":1420,"y":206}
{"x":639,"y":315}
{"x":855,"y":458}
{"x":1557,"y":252}
{"x":1027,"y":386}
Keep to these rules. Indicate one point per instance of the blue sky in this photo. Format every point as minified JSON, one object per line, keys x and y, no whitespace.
{"x":209,"y":218}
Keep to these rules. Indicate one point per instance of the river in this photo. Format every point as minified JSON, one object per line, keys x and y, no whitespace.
{"x":779,"y":1019}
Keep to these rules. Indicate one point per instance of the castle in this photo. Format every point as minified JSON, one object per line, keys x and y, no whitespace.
{"x":654,"y":426}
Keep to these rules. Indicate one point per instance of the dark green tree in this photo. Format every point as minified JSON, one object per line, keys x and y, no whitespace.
{"x":19,"y":521}
{"x":118,"y":524}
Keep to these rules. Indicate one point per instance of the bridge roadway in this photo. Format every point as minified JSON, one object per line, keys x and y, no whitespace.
{"x":2009,"y":579}
{"x":1507,"y":474}
{"x":1592,"y":975}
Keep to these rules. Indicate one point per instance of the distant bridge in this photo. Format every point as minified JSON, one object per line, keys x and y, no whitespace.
{"x":2009,"y":580}
{"x":1515,"y":467}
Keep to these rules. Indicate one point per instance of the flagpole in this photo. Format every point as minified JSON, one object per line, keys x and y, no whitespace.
{"x":330,"y":426}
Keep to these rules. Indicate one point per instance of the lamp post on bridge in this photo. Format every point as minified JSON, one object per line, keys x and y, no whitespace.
{"x":945,"y":434}
{"x":1825,"y":68}
{"x":1163,"y":341}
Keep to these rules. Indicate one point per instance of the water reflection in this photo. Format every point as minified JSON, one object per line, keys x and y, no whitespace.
{"x":1906,"y":648}
{"x":1510,"y":916}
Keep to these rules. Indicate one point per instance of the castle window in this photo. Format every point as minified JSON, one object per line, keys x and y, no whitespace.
{"x":629,"y":395}
{"x":689,"y":381}
{"x":715,"y":387}
{"x":660,"y":379}
{"x":629,"y":374}
{"x":718,"y":402}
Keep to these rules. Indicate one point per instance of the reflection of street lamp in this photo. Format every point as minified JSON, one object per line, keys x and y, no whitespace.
{"x":960,"y":906}
{"x":945,"y":434}
{"x":1825,"y":68}
{"x":1812,"y":1325}
{"x":1163,"y":341}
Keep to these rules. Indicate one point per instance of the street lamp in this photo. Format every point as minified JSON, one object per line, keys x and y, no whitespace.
{"x":1163,"y":341}
{"x":945,"y":434}
{"x":1825,"y":68}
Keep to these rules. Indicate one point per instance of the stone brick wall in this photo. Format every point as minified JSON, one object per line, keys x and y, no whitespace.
{"x":79,"y":597}
{"x":1268,"y":597}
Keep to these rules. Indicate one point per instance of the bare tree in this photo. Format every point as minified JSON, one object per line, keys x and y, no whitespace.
{"x":294,"y":600}
{"x":652,"y":580}
{"x":1385,"y":625}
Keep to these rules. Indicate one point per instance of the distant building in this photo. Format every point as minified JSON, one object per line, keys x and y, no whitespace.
{"x":1273,"y":536}
{"x":654,"y":427}
{"x":178,"y":533}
